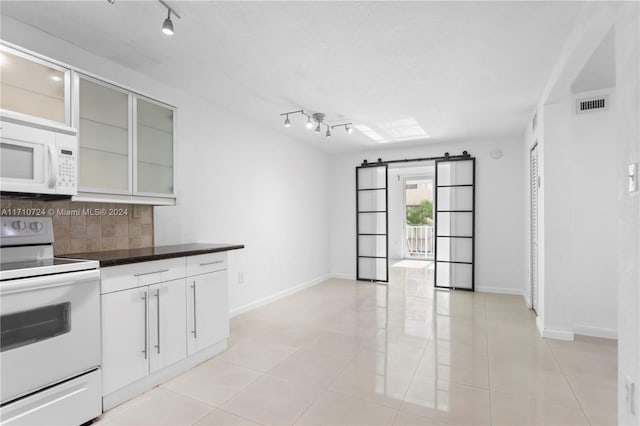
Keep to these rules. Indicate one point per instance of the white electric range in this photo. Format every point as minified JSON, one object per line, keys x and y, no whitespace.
{"x":50,"y":329}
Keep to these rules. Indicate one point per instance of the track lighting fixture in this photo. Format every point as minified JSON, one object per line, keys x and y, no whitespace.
{"x":167,"y":25}
{"x":318,"y":119}
{"x":346,"y":127}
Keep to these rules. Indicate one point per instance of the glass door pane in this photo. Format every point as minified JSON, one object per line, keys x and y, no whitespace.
{"x":154,"y":148}
{"x":104,"y":138}
{"x":33,"y":87}
{"x":28,"y":327}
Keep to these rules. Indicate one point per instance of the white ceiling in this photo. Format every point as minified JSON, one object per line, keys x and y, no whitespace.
{"x":600,"y":70}
{"x":459,"y":70}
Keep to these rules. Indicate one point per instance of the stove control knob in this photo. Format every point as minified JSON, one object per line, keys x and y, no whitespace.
{"x":19,"y":225}
{"x":35,"y":226}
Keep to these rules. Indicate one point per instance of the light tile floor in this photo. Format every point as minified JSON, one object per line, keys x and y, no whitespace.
{"x":345,"y":352}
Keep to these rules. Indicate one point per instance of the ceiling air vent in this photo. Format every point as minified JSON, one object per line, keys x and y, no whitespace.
{"x":592,"y":104}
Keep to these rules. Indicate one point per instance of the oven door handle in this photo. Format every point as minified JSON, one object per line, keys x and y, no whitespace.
{"x":48,"y":281}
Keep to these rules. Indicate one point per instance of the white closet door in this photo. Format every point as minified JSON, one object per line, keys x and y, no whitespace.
{"x":533,"y":167}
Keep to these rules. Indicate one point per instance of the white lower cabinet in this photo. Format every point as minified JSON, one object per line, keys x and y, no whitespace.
{"x":152,"y":331}
{"x":207,"y":310}
{"x":167,"y":320}
{"x":142,"y":332}
{"x":124,"y":334}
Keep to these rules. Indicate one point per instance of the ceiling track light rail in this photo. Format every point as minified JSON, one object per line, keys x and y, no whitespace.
{"x":318,"y":119}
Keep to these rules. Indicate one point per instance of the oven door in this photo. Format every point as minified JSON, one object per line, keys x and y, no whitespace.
{"x":50,"y":330}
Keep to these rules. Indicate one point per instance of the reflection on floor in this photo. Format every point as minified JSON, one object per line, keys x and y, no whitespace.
{"x":345,"y":352}
{"x":412,"y":263}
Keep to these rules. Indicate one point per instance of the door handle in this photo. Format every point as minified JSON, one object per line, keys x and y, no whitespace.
{"x":139,"y":274}
{"x":194,"y":331}
{"x":158,"y":319}
{"x":145,"y":350}
{"x":215,"y":262}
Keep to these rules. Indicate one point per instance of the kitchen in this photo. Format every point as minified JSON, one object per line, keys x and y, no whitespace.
{"x":219,"y":177}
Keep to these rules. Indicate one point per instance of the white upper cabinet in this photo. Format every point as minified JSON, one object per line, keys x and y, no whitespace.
{"x":126,"y":145}
{"x":154,"y":148}
{"x":105,"y":138}
{"x":34,"y":90}
{"x":126,"y":140}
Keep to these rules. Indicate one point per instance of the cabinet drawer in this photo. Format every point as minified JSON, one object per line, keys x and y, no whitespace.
{"x":204,"y":263}
{"x":115,"y":278}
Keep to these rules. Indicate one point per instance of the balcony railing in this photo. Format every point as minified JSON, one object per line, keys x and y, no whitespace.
{"x":419,"y":240}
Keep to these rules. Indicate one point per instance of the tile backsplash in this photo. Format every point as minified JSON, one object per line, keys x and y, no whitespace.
{"x":87,"y":227}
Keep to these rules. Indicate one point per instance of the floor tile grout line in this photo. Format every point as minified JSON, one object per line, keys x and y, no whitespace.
{"x":573,"y":392}
{"x":486,"y":336}
{"x":189,"y":397}
{"x":216,"y":406}
{"x":238,"y":415}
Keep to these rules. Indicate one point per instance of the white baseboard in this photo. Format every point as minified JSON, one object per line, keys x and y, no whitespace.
{"x":279,"y":295}
{"x":605,"y":333}
{"x":343,"y":276}
{"x":500,"y":290}
{"x":557,"y":334}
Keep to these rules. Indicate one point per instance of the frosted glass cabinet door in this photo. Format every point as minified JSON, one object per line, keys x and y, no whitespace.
{"x":104,"y":137}
{"x":154,"y":148}
{"x":34,"y":87}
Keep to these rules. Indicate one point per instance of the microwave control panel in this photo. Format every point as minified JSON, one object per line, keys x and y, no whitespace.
{"x":67,"y":153}
{"x":66,"y":168}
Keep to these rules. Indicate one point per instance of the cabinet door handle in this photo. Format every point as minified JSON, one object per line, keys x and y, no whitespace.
{"x":195,"y":335}
{"x":158,"y":319}
{"x":149,"y":273}
{"x":145,"y":351}
{"x":215,"y":262}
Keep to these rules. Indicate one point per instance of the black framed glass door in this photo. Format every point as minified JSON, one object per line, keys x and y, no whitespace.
{"x":372,"y":229}
{"x":455,"y":223}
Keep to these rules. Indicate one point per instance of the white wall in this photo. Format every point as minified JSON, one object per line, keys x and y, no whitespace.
{"x":237,"y":182}
{"x":580,"y":202}
{"x":558,"y":183}
{"x":500,"y":212}
{"x":594,"y":198}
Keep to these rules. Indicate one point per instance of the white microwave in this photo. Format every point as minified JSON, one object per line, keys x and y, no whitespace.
{"x":37,"y":162}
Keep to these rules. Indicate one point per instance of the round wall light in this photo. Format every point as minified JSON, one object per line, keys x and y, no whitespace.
{"x":496,"y":154}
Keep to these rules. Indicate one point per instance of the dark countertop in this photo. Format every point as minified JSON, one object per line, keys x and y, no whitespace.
{"x":122,"y":257}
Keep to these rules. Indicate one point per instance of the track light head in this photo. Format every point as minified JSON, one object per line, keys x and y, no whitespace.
{"x":309,"y":123}
{"x":328,"y":134}
{"x":167,"y":25}
{"x":287,"y":122}
{"x":348,"y":129}
{"x":318,"y":128}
